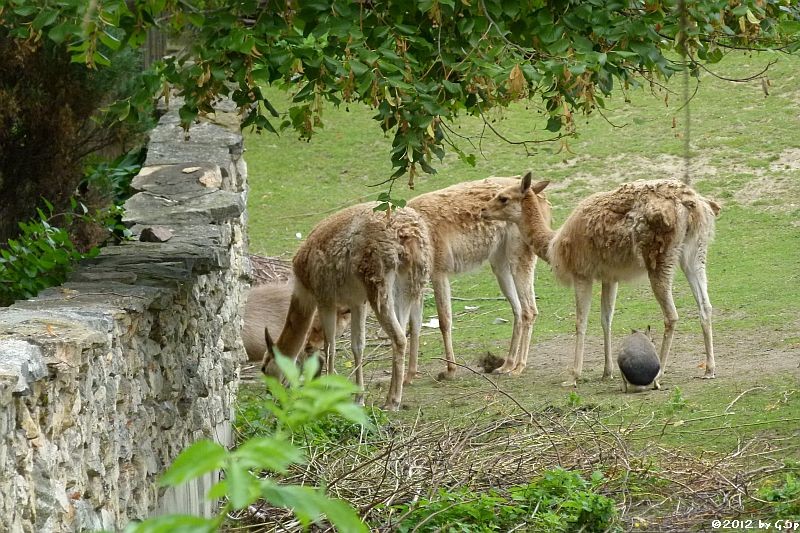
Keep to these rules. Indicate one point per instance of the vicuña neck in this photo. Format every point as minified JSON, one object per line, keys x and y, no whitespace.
{"x":536,"y":230}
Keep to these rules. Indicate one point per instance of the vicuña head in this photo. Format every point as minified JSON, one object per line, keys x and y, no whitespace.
{"x":523,"y":204}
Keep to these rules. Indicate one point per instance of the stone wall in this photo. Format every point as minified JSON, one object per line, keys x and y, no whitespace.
{"x":105,"y":379}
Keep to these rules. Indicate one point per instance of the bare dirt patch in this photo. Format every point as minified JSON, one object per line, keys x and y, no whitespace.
{"x":631,"y":167}
{"x":774,"y":188}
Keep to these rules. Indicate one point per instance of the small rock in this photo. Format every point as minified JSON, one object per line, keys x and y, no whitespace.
{"x":432,"y":323}
{"x":189,"y":170}
{"x":155,"y":234}
{"x":499,"y":320}
{"x":211,"y":178}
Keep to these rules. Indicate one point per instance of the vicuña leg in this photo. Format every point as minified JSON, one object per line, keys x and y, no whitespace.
{"x":523,"y":281}
{"x":327,"y":318}
{"x":506,"y":282}
{"x":441,"y":293}
{"x":583,"y":303}
{"x":383,"y":305}
{"x":415,"y":325}
{"x":661,"y":284}
{"x":696,"y":275}
{"x":358,"y":331}
{"x":607,"y":300}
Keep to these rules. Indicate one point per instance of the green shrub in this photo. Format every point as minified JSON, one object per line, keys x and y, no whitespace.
{"x":560,"y":500}
{"x":40,"y":257}
{"x":784,"y":496}
{"x":114,"y":177}
{"x":43,"y":253}
{"x":49,"y":245}
{"x":254,"y":419}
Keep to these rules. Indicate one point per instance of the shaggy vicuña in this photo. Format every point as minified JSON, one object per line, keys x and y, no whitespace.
{"x":355,"y":256}
{"x":267,"y":306}
{"x":463,"y":240}
{"x":645,"y":227}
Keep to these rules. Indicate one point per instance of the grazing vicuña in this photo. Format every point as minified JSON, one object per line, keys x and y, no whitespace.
{"x":355,"y":256}
{"x":267,"y":306}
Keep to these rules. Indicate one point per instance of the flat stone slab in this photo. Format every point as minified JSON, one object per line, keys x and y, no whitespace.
{"x":168,"y":180}
{"x":84,"y":297}
{"x":201,"y":207}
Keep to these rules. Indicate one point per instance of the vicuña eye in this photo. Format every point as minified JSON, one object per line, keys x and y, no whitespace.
{"x":503,"y":199}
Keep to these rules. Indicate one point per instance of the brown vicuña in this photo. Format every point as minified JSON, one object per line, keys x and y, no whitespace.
{"x":644,"y":227}
{"x":353,"y":257}
{"x":462,"y":241}
{"x":266,"y":307}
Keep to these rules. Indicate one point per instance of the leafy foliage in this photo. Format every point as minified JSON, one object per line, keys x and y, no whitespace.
{"x":250,"y":469}
{"x":560,"y":500}
{"x":115,"y":176}
{"x":417,"y":64}
{"x":49,"y":119}
{"x":48,"y":246}
{"x":40,"y":257}
{"x":784,"y":496}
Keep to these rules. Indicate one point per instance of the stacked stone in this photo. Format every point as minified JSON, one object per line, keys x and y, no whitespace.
{"x":105,"y":379}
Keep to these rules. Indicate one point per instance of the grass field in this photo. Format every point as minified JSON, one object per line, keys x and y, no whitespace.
{"x":745,"y":153}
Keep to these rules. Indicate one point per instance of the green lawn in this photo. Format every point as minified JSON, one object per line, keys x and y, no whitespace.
{"x":745,"y":150}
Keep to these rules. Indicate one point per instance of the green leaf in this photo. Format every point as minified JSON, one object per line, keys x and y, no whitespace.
{"x":218,"y":491}
{"x":25,"y":10}
{"x":110,"y":41}
{"x":342,"y":515}
{"x":270,"y":453}
{"x":354,"y":413}
{"x":175,"y":524}
{"x":187,"y":114}
{"x":288,"y":369}
{"x":200,"y":458}
{"x":46,"y":17}
{"x":358,"y":67}
{"x":554,"y":124}
{"x":242,"y":485}
{"x":310,"y":504}
{"x":311,"y":368}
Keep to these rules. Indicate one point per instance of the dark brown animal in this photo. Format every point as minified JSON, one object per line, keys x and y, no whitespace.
{"x":638,"y":361}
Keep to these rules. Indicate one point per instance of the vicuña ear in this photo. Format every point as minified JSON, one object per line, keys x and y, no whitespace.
{"x":539,"y":187}
{"x":270,"y":353}
{"x":526,"y":182}
{"x":648,"y":330}
{"x":268,"y":339}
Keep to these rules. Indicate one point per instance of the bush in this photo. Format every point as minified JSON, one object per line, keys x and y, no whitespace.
{"x":40,"y":257}
{"x":43,"y":253}
{"x":559,"y":500}
{"x":50,"y":120}
{"x":784,"y":496}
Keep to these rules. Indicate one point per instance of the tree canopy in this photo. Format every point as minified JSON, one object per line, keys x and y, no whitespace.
{"x":419,"y":64}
